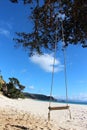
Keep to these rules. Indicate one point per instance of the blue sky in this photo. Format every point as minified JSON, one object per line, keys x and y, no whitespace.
{"x":36,"y":72}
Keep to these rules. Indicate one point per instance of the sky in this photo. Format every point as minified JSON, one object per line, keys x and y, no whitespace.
{"x":36,"y":72}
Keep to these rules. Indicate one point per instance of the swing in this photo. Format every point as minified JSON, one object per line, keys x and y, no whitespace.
{"x":66,"y":106}
{"x":59,"y":108}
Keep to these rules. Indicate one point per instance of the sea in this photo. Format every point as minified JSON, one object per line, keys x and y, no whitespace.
{"x":78,"y":102}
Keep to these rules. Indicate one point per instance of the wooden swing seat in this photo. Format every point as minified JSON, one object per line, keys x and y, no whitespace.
{"x":58,"y":108}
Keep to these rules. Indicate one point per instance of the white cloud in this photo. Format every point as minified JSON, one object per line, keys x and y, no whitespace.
{"x":46,"y":62}
{"x":83,"y":96}
{"x":80,"y":97}
{"x":4,"y":32}
{"x":31,"y":87}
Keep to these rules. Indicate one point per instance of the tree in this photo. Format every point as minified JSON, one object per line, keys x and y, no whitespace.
{"x":14,"y":88}
{"x":50,"y":18}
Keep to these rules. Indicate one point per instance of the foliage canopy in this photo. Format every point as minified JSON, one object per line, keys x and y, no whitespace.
{"x":49,"y":16}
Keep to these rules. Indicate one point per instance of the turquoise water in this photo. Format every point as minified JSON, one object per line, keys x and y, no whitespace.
{"x":69,"y":102}
{"x":74,"y":102}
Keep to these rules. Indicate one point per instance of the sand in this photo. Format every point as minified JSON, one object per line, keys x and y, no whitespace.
{"x":28,"y":114}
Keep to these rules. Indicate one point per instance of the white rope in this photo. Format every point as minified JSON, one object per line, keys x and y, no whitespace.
{"x":65,"y":72}
{"x":64,"y":55}
{"x":52,"y":81}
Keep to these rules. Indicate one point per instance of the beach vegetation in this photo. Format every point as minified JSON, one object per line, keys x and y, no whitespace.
{"x":14,"y":88}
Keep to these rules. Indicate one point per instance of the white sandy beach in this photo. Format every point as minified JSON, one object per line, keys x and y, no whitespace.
{"x":28,"y":114}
